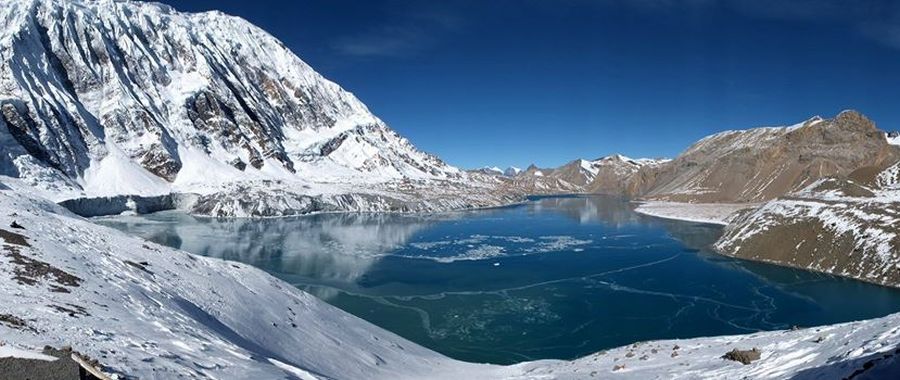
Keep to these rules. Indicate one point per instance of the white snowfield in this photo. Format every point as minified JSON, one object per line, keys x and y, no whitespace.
{"x":12,"y":352}
{"x":153,"y":312}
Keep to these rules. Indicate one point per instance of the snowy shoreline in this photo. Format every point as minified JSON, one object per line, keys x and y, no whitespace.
{"x":140,"y":205}
{"x":708,"y":213}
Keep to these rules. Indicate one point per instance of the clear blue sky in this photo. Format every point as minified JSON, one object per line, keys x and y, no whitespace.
{"x":514,"y":82}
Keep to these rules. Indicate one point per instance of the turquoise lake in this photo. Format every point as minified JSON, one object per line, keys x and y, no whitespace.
{"x":556,"y":277}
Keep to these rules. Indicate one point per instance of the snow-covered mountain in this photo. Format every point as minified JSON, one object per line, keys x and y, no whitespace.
{"x":614,"y":174}
{"x":108,"y":97}
{"x":893,"y":137}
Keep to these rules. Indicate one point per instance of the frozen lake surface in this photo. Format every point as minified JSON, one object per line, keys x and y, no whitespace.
{"x":556,"y":277}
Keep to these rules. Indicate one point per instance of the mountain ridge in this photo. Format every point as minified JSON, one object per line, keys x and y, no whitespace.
{"x":759,"y":164}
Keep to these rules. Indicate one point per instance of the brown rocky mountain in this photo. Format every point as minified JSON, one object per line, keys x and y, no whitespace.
{"x":616,"y":174}
{"x":845,"y":224}
{"x":533,"y":170}
{"x":578,"y":172}
{"x":763,"y":163}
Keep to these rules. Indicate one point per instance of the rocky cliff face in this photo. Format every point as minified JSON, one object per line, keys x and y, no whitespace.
{"x":99,"y":91}
{"x":763,"y":163}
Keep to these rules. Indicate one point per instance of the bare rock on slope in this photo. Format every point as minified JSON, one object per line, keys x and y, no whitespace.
{"x":743,"y":356}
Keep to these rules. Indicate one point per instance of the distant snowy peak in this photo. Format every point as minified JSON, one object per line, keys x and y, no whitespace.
{"x":492,"y":170}
{"x":533,"y":170}
{"x":512,"y":171}
{"x":618,"y":158}
{"x":94,"y":91}
{"x":580,"y":175}
{"x":613,"y":168}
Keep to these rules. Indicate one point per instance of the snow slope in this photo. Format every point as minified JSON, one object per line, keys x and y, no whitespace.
{"x":149,"y":311}
{"x":866,"y":350}
{"x":892,"y":138}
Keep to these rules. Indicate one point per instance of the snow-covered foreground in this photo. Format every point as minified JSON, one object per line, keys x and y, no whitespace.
{"x":829,"y":352}
{"x":712,"y":213}
{"x":153,"y":312}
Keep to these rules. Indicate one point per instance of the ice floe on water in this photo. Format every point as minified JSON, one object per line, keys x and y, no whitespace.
{"x":481,"y":252}
{"x":491,"y":319}
{"x":483,"y":247}
{"x":557,"y":243}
